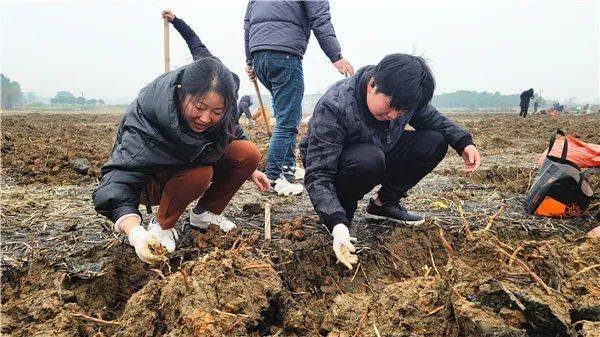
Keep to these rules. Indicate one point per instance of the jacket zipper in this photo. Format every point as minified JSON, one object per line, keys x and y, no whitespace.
{"x":200,"y":152}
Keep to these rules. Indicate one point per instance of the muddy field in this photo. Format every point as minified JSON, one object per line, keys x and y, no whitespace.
{"x":478,"y":267}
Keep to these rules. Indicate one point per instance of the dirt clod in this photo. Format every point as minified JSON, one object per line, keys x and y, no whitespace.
{"x":81,"y":165}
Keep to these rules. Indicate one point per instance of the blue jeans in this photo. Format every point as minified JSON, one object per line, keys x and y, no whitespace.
{"x":282,"y":74}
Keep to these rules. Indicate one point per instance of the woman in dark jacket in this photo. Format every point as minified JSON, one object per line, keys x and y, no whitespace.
{"x":176,"y":143}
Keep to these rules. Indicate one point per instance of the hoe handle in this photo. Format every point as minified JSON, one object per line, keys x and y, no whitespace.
{"x":166,"y":45}
{"x":262,"y":108}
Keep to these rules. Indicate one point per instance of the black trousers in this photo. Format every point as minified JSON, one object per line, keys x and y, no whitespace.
{"x":524,"y":109}
{"x":364,"y":166}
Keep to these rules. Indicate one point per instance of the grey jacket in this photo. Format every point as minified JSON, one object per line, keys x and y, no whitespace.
{"x":341,"y":117}
{"x":151,"y":138}
{"x":285,"y":26}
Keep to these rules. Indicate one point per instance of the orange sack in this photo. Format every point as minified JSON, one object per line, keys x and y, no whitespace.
{"x":584,"y":155}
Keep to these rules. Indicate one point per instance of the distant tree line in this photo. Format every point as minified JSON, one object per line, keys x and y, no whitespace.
{"x":471,"y":99}
{"x":67,"y":98}
{"x":11,"y":93}
{"x":13,"y":97}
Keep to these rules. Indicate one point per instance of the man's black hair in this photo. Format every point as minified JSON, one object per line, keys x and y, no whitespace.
{"x":405,"y":78}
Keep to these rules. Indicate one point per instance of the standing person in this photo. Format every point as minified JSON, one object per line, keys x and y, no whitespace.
{"x":176,"y":143}
{"x":525,"y":98}
{"x":357,"y":140}
{"x":276,"y":35}
{"x":199,"y":50}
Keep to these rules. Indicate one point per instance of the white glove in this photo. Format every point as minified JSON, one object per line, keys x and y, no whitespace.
{"x":141,"y":240}
{"x":342,"y":247}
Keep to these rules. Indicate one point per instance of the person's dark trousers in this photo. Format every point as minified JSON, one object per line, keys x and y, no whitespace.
{"x":281,"y":73}
{"x":363,"y":166}
{"x":524,"y":109}
{"x":240,"y":112}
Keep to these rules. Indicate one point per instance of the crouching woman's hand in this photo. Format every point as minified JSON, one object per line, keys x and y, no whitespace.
{"x":140,"y":239}
{"x":143,"y":242}
{"x":261,"y":181}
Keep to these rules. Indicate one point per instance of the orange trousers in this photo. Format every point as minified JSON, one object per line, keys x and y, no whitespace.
{"x":215,"y":185}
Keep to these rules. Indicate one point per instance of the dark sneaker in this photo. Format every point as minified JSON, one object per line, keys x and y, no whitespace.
{"x":394,"y":212}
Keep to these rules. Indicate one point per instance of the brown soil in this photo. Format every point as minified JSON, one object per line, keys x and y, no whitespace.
{"x":64,"y":273}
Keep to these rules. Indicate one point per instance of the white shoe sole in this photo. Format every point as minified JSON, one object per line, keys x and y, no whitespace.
{"x":199,"y":226}
{"x":205,"y":225}
{"x":285,"y":194}
{"x":202,"y":225}
{"x":404,"y":222}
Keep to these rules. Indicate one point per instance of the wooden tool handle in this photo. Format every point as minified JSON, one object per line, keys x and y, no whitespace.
{"x":166,"y":45}
{"x":262,"y":108}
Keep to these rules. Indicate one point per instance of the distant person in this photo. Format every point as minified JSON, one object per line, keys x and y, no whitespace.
{"x":276,"y":35}
{"x":558,"y":107}
{"x":525,"y":98}
{"x":243,"y":108}
{"x":198,"y":50}
{"x":536,"y":104}
{"x":357,"y":140}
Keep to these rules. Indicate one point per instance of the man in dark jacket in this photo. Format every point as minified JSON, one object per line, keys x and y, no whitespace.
{"x":276,"y":34}
{"x":356,"y":140}
{"x":525,"y":98}
{"x":243,"y":108}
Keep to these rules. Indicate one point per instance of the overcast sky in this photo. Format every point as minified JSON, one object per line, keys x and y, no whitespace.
{"x":111,"y":50}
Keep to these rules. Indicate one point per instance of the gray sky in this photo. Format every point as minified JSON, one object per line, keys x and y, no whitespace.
{"x":111,"y":50}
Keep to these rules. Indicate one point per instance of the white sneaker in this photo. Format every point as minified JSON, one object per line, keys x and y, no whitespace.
{"x":299,"y":174}
{"x":284,"y":187}
{"x":167,"y":237}
{"x":206,"y":218}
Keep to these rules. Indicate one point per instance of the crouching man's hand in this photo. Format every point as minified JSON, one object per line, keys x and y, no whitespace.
{"x":342,"y":247}
{"x":594,"y":233}
{"x":471,"y":158}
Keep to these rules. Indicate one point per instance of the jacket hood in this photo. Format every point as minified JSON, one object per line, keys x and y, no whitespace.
{"x":158,"y":103}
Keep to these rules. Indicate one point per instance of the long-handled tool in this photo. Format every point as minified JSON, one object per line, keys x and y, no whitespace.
{"x":262,"y":108}
{"x":166,"y":45}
